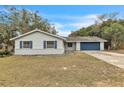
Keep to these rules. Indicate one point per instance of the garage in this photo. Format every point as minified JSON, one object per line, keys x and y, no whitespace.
{"x":89,"y":45}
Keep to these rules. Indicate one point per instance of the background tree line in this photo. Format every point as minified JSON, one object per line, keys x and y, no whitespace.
{"x":107,"y":26}
{"x":14,"y":21}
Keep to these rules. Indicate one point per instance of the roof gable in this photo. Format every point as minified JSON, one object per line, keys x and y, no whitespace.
{"x":37,"y":30}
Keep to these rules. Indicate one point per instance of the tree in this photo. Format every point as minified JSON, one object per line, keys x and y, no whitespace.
{"x":114,"y":34}
{"x":21,"y":20}
{"x":107,"y":27}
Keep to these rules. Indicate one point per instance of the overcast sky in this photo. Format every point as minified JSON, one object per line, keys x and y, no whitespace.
{"x":70,"y":18}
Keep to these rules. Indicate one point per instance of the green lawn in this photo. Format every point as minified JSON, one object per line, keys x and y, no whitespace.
{"x":66,"y":71}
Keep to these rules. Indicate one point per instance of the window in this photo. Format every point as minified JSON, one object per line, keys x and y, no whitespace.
{"x":69,"y":44}
{"x":26,"y":44}
{"x":50,"y":44}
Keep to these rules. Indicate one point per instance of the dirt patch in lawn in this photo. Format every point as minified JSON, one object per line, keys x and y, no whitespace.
{"x":72,"y":70}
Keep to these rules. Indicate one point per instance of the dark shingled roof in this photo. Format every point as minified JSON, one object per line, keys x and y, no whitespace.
{"x":85,"y":39}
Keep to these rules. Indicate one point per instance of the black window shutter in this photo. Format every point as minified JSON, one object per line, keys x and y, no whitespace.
{"x":30,"y":44}
{"x":20,"y":44}
{"x":55,"y":44}
{"x":44,"y":44}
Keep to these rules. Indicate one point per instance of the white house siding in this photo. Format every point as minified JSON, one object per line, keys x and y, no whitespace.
{"x":73,"y":48}
{"x":101,"y":45}
{"x":78,"y":46}
{"x":37,"y":39}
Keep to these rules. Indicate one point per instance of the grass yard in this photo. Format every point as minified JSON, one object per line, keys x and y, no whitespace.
{"x":64,"y":71}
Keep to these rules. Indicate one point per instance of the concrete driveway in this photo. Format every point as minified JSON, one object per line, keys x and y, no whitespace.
{"x":109,"y":57}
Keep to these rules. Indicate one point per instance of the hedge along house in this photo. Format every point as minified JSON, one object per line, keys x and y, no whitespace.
{"x":38,"y":42}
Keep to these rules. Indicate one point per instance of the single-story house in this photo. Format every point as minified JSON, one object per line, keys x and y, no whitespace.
{"x":39,"y":42}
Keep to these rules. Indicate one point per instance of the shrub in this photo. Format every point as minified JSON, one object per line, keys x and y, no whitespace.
{"x":1,"y":54}
{"x":4,"y":53}
{"x":1,"y":46}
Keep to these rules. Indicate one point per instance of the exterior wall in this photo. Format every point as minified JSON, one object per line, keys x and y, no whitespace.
{"x":101,"y":45}
{"x":37,"y":39}
{"x":73,"y":48}
{"x":77,"y":46}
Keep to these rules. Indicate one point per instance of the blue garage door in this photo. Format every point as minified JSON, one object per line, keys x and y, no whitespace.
{"x":90,"y":46}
